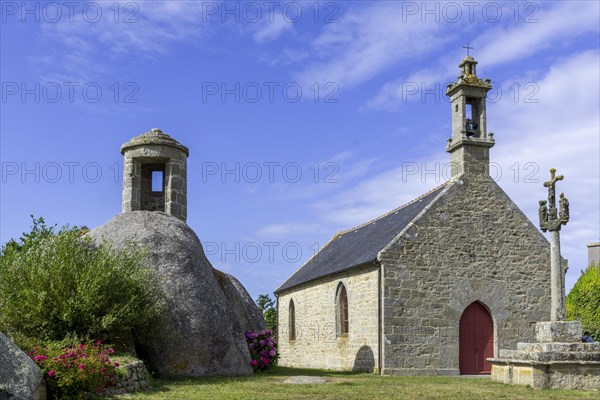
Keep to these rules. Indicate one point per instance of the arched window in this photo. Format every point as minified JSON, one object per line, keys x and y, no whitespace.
{"x":292,"y":321}
{"x":341,"y":306}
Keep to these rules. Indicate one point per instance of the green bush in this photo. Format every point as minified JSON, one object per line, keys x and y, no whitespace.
{"x":58,"y":283}
{"x":267,"y":307}
{"x":583,"y":301}
{"x":73,"y":369}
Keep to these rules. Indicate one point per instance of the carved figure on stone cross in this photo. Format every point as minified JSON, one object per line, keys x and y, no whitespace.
{"x":543,"y":212}
{"x":552,"y":214}
{"x":564,"y":209}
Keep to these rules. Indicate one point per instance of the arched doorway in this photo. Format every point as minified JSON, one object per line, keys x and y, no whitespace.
{"x":476,"y":340}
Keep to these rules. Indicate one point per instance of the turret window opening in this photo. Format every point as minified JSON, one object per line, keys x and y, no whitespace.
{"x":157,"y":181}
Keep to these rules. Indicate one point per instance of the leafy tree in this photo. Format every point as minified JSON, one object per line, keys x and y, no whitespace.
{"x":583,"y":301}
{"x":267,"y":306}
{"x":59,"y":283}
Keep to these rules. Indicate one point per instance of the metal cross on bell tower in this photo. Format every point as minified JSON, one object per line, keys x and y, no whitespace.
{"x":468,"y":48}
{"x":551,"y":220}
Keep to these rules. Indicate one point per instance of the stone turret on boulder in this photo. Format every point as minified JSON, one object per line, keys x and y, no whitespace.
{"x":207,"y":311}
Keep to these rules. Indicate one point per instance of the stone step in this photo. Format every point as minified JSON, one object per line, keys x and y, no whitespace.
{"x":558,"y":346}
{"x":550,"y":356}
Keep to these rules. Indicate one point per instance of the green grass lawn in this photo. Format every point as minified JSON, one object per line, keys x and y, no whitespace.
{"x":346,"y":386}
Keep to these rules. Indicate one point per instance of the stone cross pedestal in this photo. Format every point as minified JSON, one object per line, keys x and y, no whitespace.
{"x":558,"y":358}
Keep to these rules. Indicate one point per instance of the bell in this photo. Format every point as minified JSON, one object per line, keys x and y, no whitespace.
{"x":470,"y":128}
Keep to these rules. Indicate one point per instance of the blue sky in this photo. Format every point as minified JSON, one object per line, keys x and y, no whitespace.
{"x":302,"y":118}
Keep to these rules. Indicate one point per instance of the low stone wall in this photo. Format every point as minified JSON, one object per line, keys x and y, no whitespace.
{"x":134,"y":379}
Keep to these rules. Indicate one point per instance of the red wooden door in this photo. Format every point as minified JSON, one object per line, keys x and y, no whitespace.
{"x":476,"y":340}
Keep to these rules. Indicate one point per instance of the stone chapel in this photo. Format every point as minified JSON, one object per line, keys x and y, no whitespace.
{"x":434,"y":287}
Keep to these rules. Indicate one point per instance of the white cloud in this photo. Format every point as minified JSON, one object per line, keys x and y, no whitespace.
{"x":375,"y":196}
{"x":276,"y":231}
{"x":284,"y":57}
{"x":336,"y":175}
{"x":324,"y":176}
{"x":271,"y":30}
{"x":561,"y":131}
{"x":366,"y":41}
{"x":72,"y":48}
{"x":558,"y":24}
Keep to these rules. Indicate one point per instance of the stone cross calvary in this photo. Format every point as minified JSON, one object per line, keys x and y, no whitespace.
{"x":551,"y":220}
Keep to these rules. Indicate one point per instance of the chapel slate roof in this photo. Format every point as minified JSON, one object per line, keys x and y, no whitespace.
{"x":360,"y":245}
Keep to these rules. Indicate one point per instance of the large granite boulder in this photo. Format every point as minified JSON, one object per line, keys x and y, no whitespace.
{"x":20,"y":377}
{"x":202,"y":334}
{"x":244,"y":308}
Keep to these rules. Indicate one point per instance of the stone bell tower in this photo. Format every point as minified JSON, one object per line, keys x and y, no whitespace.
{"x":470,"y":143}
{"x":155,"y":174}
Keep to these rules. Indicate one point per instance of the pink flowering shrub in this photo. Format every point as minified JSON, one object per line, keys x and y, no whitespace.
{"x":71,"y":371}
{"x":263,"y":349}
